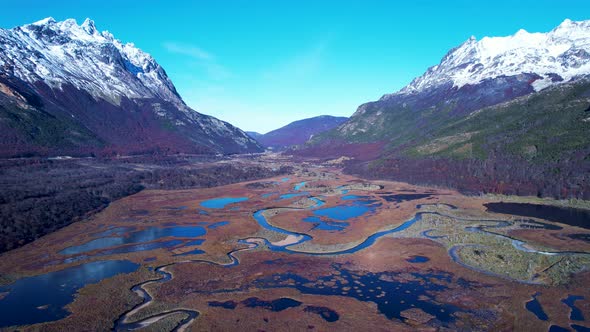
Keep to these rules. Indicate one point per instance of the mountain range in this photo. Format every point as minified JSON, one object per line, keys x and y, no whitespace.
{"x":70,"y":89}
{"x":501,"y":114}
{"x":297,"y":132}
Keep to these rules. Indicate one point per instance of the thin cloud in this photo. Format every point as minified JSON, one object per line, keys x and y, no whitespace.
{"x":199,"y":58}
{"x":190,"y":50}
{"x":299,"y":66}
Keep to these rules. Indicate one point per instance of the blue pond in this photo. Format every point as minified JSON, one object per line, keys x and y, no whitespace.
{"x":226,"y":304}
{"x":576,"y":313}
{"x":220,"y":203}
{"x":326,"y":225}
{"x":218,"y":224}
{"x":353,"y":197}
{"x":580,"y":328}
{"x":196,"y":242}
{"x":114,"y":231}
{"x":267,"y":195}
{"x":418,"y":259}
{"x":140,"y":247}
{"x":343,"y":212}
{"x":146,"y":235}
{"x":42,"y":298}
{"x":391,"y":292}
{"x":192,"y":252}
{"x":326,"y":313}
{"x":360,"y":205}
{"x":273,"y":305}
{"x":299,"y":185}
{"x":287,"y":196}
{"x":535,"y":307}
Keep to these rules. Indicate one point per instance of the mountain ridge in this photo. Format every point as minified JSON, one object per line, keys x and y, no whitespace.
{"x":416,"y":126}
{"x":563,"y":51}
{"x":95,"y":83}
{"x":300,"y":131}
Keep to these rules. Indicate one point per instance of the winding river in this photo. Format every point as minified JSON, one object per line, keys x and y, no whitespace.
{"x":125,"y":323}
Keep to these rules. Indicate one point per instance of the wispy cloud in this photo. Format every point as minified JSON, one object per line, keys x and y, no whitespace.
{"x":186,"y":49}
{"x":199,"y":58}
{"x":299,"y":66}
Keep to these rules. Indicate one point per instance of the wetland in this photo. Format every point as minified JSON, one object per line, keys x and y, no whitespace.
{"x":318,"y":249}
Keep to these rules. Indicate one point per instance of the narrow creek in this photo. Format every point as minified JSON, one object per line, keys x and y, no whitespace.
{"x":125,"y":323}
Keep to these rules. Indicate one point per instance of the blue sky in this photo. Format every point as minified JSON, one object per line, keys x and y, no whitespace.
{"x":263,"y":64}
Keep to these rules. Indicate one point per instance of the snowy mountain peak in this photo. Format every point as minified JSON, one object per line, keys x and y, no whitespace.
{"x":63,"y":52}
{"x":109,"y":90}
{"x":89,"y":26}
{"x":557,"y":56}
{"x":44,"y":21}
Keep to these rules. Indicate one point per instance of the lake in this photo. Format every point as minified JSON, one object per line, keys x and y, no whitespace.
{"x":42,"y":298}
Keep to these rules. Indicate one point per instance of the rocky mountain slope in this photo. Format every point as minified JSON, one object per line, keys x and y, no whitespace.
{"x":70,"y":89}
{"x":521,"y":100}
{"x":299,"y":132}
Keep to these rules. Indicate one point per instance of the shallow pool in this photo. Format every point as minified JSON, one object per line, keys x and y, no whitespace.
{"x":535,"y":307}
{"x":343,"y":212}
{"x":291,"y":195}
{"x":418,"y":259}
{"x":299,"y":185}
{"x":220,"y":203}
{"x":142,"y":236}
{"x":326,"y":225}
{"x":575,"y":312}
{"x":390,"y":291}
{"x":42,"y":298}
{"x":218,"y":224}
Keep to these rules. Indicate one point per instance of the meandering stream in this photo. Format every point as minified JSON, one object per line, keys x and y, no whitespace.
{"x":292,"y":245}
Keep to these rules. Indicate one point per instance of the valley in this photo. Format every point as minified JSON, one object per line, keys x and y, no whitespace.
{"x":314,"y":249}
{"x":459,"y":201}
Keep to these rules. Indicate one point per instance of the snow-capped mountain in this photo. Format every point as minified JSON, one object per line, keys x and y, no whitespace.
{"x":504,"y":114}
{"x":65,"y":52}
{"x":557,"y":56}
{"x":469,"y":78}
{"x":62,"y":63}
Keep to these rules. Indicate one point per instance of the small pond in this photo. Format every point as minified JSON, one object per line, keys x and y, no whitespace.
{"x":343,"y":212}
{"x":42,"y":298}
{"x":535,"y":307}
{"x":326,"y":225}
{"x":220,"y":203}
{"x":137,"y":237}
{"x":418,"y":259}
{"x":575,"y":313}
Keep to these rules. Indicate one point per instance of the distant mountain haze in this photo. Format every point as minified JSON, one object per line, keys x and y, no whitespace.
{"x":299,"y":132}
{"x":253,"y":134}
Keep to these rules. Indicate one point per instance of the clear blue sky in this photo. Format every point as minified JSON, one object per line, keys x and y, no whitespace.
{"x":263,"y":64}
